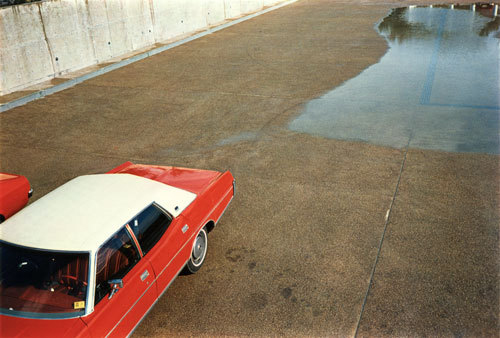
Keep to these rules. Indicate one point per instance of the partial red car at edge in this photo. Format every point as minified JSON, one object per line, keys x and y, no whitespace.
{"x":91,"y":258}
{"x":15,"y":191}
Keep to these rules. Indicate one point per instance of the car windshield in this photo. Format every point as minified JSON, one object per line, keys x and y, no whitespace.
{"x":35,"y":282}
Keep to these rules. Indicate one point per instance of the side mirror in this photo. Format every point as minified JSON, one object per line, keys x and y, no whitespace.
{"x":116,"y":284}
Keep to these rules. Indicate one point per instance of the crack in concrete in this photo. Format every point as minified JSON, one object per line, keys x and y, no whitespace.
{"x":46,"y":38}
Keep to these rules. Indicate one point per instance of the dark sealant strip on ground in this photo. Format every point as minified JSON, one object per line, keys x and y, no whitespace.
{"x":387,"y":219}
{"x":431,"y":73}
{"x":72,"y":82}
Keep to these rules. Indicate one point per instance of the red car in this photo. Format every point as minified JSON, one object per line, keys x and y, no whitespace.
{"x":90,"y":258}
{"x":15,"y":191}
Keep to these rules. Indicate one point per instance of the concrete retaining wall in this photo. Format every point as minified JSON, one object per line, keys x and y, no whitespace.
{"x":42,"y":40}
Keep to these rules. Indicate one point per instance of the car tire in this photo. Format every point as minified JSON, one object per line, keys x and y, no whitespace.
{"x":198,"y":252}
{"x":2,"y":218}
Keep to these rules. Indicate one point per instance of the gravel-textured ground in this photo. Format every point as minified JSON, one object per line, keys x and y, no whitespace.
{"x":295,"y":251}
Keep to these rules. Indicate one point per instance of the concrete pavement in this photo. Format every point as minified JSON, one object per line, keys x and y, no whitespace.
{"x":299,"y":251}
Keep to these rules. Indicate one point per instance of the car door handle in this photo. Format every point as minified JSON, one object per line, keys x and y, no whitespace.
{"x":144,"y":275}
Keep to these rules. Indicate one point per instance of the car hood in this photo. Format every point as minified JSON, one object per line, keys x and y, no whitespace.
{"x":192,"y":180}
{"x":30,"y":327}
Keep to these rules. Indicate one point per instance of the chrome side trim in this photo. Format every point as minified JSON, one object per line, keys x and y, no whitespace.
{"x":145,"y":275}
{"x":224,"y":211}
{"x":208,"y":219}
{"x":153,"y":283}
{"x":157,"y":299}
{"x":178,"y":272}
{"x":166,"y":266}
{"x":89,"y":301}
{"x":134,"y":239}
{"x":130,"y":309}
{"x":43,"y":316}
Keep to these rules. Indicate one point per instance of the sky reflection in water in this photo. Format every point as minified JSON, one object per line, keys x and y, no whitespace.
{"x":437,"y":87}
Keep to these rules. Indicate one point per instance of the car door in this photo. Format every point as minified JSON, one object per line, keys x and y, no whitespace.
{"x":163,"y":241}
{"x":117,"y":313}
{"x":172,"y":252}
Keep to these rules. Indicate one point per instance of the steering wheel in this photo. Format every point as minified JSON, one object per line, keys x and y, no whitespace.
{"x":73,"y":278}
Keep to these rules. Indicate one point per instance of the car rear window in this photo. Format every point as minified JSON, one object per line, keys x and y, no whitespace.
{"x":42,"y":282}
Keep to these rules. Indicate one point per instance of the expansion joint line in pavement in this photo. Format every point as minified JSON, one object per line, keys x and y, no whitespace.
{"x":387,"y":218}
{"x":425,"y":98}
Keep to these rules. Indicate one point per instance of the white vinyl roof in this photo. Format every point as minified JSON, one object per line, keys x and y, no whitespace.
{"x":83,"y":213}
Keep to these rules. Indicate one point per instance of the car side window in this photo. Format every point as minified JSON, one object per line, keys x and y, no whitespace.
{"x":149,"y":226}
{"x":114,"y":259}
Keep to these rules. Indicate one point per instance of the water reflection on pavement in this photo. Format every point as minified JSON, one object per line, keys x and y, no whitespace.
{"x":437,"y":87}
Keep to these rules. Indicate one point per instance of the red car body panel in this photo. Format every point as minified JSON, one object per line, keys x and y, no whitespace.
{"x":193,"y":180}
{"x":23,"y":327}
{"x":172,"y":254}
{"x":214,"y":189}
{"x":14,"y":194}
{"x":118,"y":316}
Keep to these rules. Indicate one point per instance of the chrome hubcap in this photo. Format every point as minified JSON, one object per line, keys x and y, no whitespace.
{"x":199,"y":248}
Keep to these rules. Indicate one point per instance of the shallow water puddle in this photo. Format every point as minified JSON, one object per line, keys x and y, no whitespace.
{"x":437,"y":87}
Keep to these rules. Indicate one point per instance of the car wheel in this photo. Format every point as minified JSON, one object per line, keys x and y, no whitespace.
{"x":198,"y":253}
{"x":2,"y":218}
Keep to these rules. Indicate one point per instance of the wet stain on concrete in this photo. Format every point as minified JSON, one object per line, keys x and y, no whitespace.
{"x":317,"y":313}
{"x":286,"y":292}
{"x":233,"y":255}
{"x":241,"y":137}
{"x":436,"y":88}
{"x":237,"y":255}
{"x":235,"y":258}
{"x":256,"y":301}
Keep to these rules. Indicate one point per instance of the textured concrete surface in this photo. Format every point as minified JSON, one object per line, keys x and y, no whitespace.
{"x":66,"y":36}
{"x":295,"y":252}
{"x":438,"y":269}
